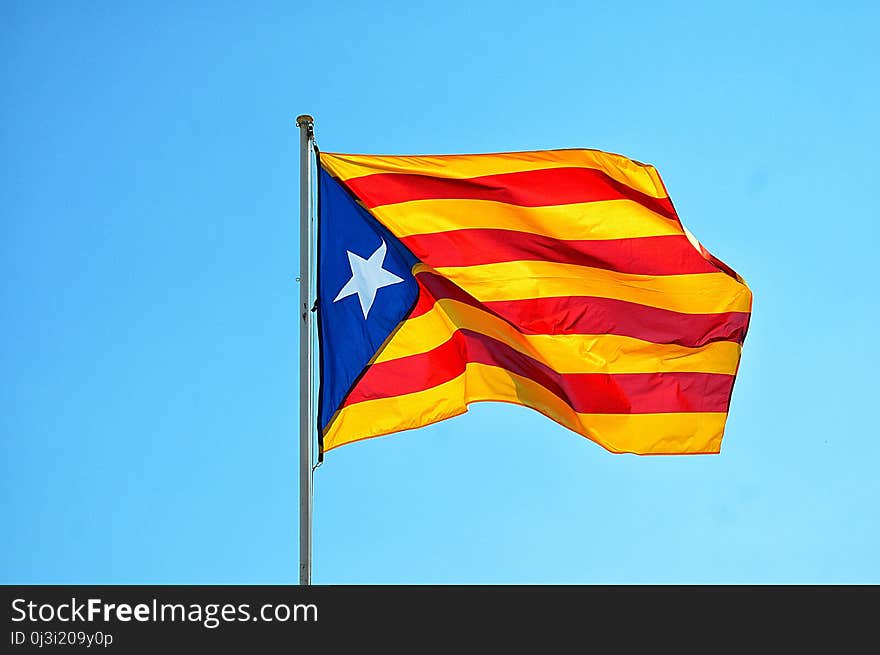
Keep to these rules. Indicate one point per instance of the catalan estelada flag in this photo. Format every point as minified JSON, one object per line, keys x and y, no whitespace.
{"x":561,"y":280}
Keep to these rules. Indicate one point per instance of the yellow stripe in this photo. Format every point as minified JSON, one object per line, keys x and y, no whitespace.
{"x":642,"y":177}
{"x":695,"y":293}
{"x":674,"y":433}
{"x":565,"y":353}
{"x":606,"y":219}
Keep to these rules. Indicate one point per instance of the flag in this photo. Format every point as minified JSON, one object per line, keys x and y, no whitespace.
{"x":561,"y":280}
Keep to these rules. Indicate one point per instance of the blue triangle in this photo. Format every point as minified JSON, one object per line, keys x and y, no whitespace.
{"x":347,"y":340}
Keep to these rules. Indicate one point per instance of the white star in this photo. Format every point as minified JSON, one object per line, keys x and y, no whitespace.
{"x":367,"y":277}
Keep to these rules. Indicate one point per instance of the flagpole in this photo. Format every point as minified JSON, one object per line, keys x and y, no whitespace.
{"x":305,"y":123}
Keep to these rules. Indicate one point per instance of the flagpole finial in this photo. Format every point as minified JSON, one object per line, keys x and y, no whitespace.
{"x":303,"y":120}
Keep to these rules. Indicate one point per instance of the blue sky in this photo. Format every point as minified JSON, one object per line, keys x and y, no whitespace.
{"x":149,"y":245}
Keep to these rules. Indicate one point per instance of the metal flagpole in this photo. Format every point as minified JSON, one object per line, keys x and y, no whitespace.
{"x":306,"y":133}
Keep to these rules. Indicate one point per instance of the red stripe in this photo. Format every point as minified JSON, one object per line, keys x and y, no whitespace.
{"x":589,"y":315}
{"x":720,"y":264}
{"x":542,"y":187}
{"x":620,"y":393}
{"x":660,"y":255}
